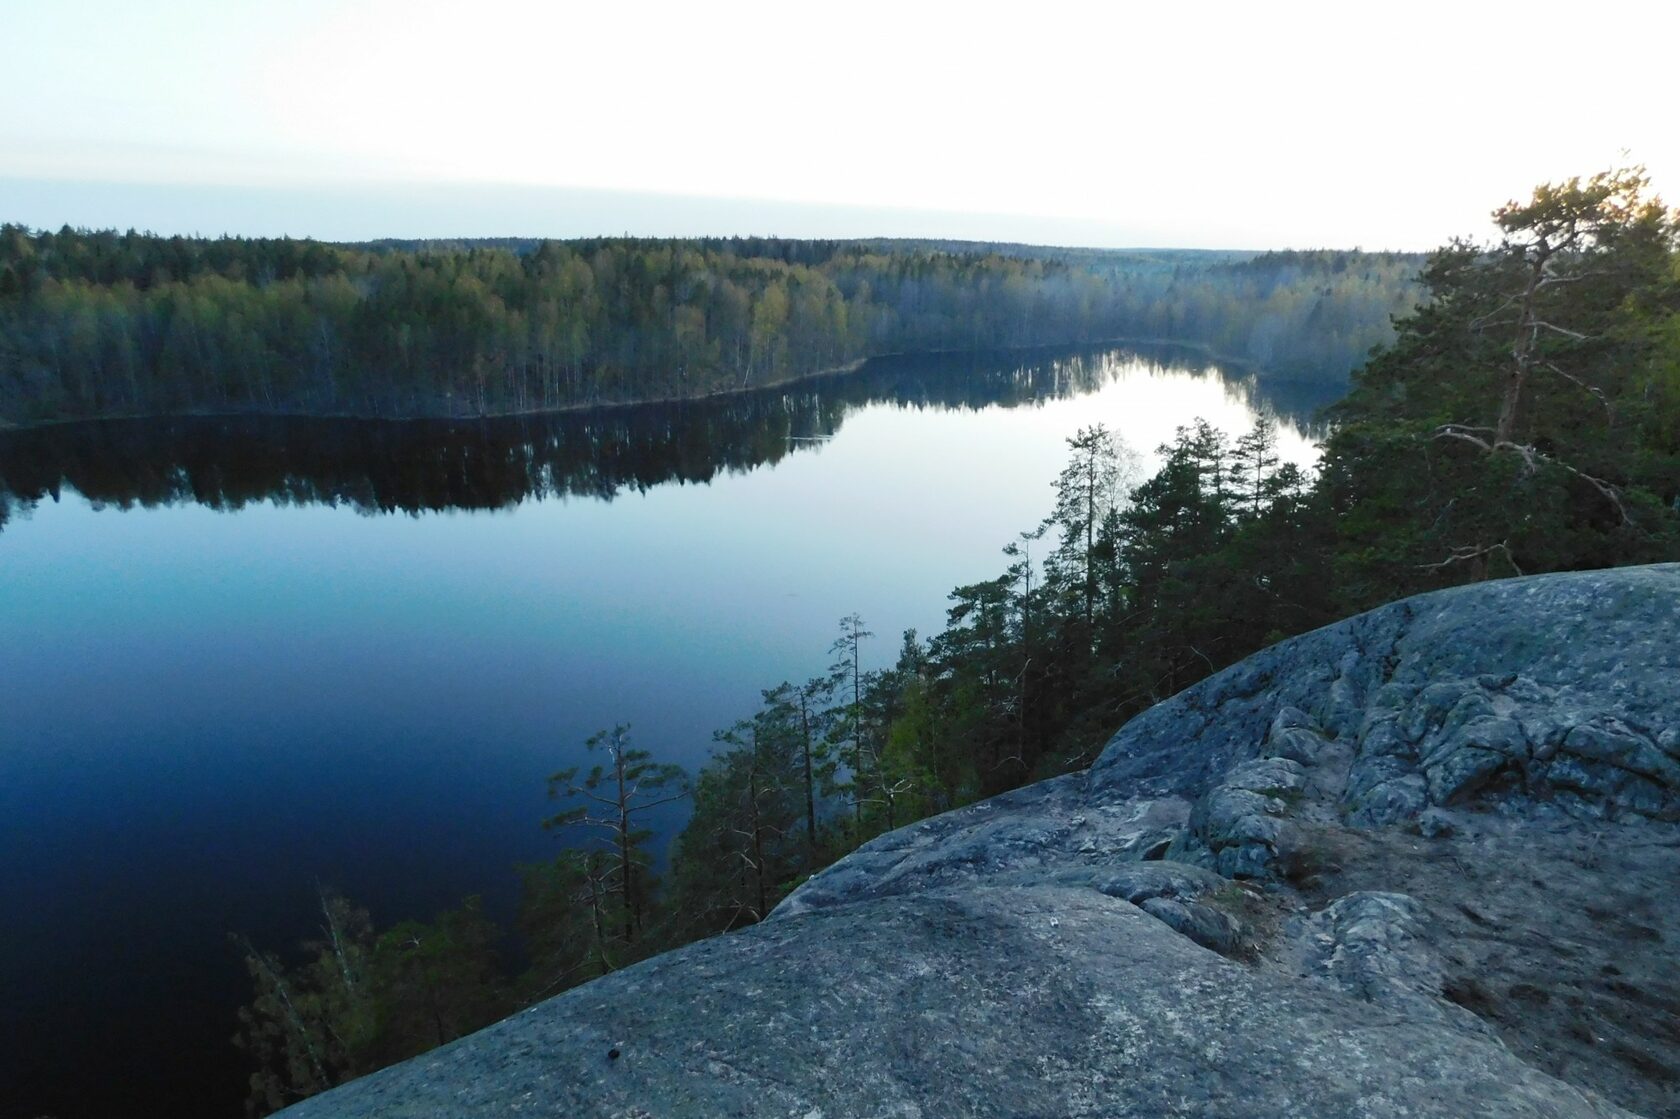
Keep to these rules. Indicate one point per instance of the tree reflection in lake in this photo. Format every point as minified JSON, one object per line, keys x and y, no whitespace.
{"x":414,"y":466}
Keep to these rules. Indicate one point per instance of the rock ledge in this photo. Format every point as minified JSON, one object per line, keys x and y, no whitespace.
{"x":1420,"y":862}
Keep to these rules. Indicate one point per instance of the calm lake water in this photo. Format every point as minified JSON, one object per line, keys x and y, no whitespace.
{"x":238,"y":657}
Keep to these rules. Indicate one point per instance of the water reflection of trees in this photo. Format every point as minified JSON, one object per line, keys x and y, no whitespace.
{"x":417,"y":465}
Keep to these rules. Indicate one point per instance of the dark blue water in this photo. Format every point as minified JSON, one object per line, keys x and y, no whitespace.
{"x":241,"y":657}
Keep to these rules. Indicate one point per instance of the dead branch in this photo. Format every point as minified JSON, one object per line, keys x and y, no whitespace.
{"x":1597,"y":392}
{"x":1533,"y":458}
{"x":1563,"y":330}
{"x":1469,"y":552}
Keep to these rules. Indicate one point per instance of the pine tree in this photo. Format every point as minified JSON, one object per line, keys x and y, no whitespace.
{"x":617,"y":795}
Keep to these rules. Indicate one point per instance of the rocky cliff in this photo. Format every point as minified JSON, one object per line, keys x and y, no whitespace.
{"x":1421,"y":862}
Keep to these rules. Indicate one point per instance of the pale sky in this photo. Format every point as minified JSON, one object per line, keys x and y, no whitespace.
{"x":1242,"y":125}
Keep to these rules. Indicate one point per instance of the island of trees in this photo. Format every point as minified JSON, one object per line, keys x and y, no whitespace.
{"x":1525,"y":418}
{"x":99,"y":324}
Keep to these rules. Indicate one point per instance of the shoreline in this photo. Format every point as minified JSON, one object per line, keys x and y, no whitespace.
{"x":1248,"y":367}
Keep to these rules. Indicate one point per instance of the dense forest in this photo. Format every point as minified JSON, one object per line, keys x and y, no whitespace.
{"x":1526,"y":418}
{"x":96,"y":324}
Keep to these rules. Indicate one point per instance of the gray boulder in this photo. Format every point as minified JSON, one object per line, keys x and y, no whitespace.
{"x":1238,"y":826}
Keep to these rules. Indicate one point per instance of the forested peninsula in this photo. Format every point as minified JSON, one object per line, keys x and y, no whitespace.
{"x":1525,"y":419}
{"x":104,"y":324}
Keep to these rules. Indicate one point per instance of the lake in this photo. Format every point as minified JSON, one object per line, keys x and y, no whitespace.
{"x":242,"y":656}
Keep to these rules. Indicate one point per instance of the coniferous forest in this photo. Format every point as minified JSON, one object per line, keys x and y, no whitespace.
{"x":1525,"y":418}
{"x":98,"y":324}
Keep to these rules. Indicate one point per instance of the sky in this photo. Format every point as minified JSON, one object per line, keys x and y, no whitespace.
{"x":1240,"y":125}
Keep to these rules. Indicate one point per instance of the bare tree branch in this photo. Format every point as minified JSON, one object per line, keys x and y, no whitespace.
{"x":1597,"y":392}
{"x":1469,"y":552}
{"x":1533,"y":458}
{"x":1563,"y":330}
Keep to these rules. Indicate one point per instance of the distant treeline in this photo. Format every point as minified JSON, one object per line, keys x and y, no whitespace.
{"x":99,"y":324}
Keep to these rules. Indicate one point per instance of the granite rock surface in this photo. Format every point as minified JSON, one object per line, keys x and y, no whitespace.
{"x":1421,"y":862}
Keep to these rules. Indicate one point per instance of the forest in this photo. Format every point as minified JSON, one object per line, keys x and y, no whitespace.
{"x":1524,"y":418}
{"x":101,"y":324}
